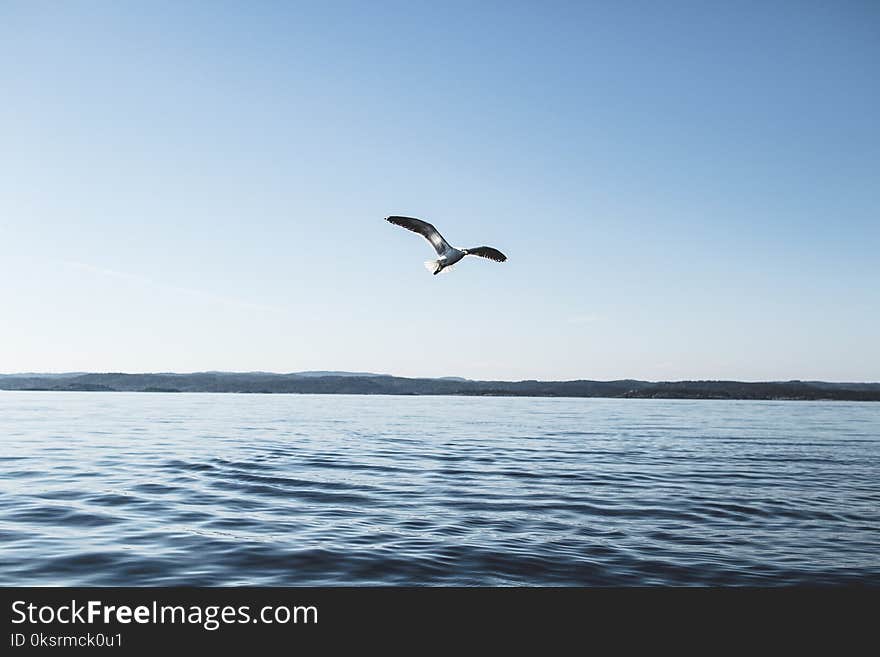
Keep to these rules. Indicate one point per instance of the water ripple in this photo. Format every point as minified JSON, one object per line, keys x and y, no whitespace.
{"x":201,"y":489}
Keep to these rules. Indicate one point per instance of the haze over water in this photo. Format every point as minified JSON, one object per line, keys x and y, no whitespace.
{"x":226,"y":489}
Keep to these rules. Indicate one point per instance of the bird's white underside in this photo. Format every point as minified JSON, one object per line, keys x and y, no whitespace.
{"x":431,"y":266}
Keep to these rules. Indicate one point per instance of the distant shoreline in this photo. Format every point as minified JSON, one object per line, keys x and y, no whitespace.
{"x":380,"y":384}
{"x":441,"y":394}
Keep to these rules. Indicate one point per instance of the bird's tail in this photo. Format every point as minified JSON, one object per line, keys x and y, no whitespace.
{"x":432,"y":265}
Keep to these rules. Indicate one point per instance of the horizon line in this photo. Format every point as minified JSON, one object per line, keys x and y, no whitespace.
{"x":352,"y":374}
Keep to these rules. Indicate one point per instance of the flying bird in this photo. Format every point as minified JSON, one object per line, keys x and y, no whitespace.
{"x":449,"y":254}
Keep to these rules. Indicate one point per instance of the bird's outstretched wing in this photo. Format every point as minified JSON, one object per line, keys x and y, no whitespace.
{"x":441,"y":246}
{"x":487,"y":252}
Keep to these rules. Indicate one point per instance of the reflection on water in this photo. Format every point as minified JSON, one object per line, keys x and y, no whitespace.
{"x":219,"y":489}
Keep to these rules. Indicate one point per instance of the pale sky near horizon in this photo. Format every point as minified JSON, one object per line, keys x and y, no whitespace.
{"x":685,"y":190}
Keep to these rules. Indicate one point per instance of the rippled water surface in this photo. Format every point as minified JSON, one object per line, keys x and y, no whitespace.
{"x":220,"y":489}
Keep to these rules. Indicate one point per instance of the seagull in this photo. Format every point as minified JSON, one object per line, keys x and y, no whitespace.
{"x":449,"y":255}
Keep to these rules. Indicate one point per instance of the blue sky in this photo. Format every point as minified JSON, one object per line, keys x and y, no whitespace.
{"x":684,"y":189}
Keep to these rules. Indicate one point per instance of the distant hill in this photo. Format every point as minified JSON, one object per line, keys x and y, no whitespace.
{"x":61,"y":375}
{"x":332,"y":373}
{"x":359,"y":383}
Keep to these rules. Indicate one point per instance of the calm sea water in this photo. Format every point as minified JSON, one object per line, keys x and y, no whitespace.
{"x":221,"y":489}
